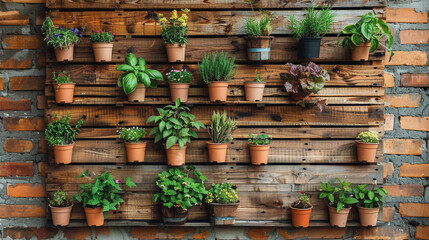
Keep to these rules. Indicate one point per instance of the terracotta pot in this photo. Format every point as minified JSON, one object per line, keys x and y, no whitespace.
{"x":254,"y":91}
{"x":218,"y":91}
{"x":64,"y":93}
{"x":300,"y":217}
{"x":65,"y":54}
{"x":138,"y":95}
{"x":174,"y":215}
{"x":175,"y":52}
{"x":63,"y":153}
{"x":217,"y":152}
{"x":361,"y":52}
{"x":368,"y":216}
{"x":102,"y":51}
{"x":94,"y":216}
{"x":175,"y":155}
{"x":366,"y":151}
{"x":223,"y":213}
{"x":135,"y":151}
{"x":179,"y":90}
{"x":338,"y":219}
{"x":258,"y":47}
{"x":61,"y":215}
{"x":259,"y":154}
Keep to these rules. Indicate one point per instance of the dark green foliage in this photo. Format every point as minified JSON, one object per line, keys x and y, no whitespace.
{"x":260,"y":139}
{"x":315,"y":24}
{"x":221,"y":128}
{"x":61,"y":37}
{"x":59,"y":199}
{"x":217,"y":67}
{"x":60,"y":132}
{"x":369,"y":198}
{"x":61,"y":77}
{"x":339,"y":196}
{"x":261,"y":26}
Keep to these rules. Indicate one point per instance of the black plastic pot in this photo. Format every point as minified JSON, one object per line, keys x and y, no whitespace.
{"x":309,"y":47}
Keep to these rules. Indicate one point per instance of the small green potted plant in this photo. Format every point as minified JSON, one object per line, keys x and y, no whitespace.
{"x":340,"y":201}
{"x":369,"y":203}
{"x":61,"y":135}
{"x":136,"y":78}
{"x":254,"y":90}
{"x":364,"y":36}
{"x":310,"y":30}
{"x":174,"y":32}
{"x":301,"y":81}
{"x":258,"y":38}
{"x":63,"y":86}
{"x":61,"y":208}
{"x":301,"y":211}
{"x":179,"y":81}
{"x":135,"y":148}
{"x":220,"y":131}
{"x":179,"y":189}
{"x":61,"y":39}
{"x":175,"y":125}
{"x":100,"y":196}
{"x":216,"y":70}
{"x":102,"y":45}
{"x":367,"y":146}
{"x":223,"y":203}
{"x":259,"y":147}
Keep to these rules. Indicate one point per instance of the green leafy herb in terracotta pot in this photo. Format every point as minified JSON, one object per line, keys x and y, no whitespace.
{"x":301,"y":211}
{"x":369,"y":203}
{"x":135,"y":148}
{"x":220,"y":131}
{"x":61,"y":208}
{"x":259,"y":146}
{"x":63,"y":87}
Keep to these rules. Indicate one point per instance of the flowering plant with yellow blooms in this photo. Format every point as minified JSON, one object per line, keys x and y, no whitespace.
{"x":222,"y":193}
{"x":175,"y":29}
{"x":368,"y":137}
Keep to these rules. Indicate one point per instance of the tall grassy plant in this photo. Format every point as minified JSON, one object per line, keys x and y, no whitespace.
{"x":315,"y":24}
{"x":217,"y":67}
{"x":221,"y":128}
{"x":261,"y":26}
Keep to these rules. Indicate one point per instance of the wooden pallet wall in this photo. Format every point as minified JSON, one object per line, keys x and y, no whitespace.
{"x":308,"y":146}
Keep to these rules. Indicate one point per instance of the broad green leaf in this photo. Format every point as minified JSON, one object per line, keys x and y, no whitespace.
{"x":371,"y":195}
{"x":171,"y":141}
{"x":124,"y":67}
{"x":340,"y":206}
{"x":154,"y":74}
{"x":349,"y":29}
{"x":129,"y":82}
{"x":331,"y":197}
{"x":141,"y":64}
{"x":131,"y":59}
{"x":144,"y":78}
{"x":130,"y":183}
{"x":374,"y":45}
{"x":367,"y":30}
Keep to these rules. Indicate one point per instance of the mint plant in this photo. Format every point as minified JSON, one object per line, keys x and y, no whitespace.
{"x":59,"y":199}
{"x":369,"y":198}
{"x":102,"y":36}
{"x":60,"y":132}
{"x":132,"y":135}
{"x":339,"y":196}
{"x":260,"y":139}
{"x":61,"y":77}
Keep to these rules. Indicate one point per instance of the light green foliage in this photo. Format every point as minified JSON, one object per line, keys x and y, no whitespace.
{"x":368,"y":137}
{"x":102,"y":36}
{"x":174,"y":124}
{"x":260,"y":139}
{"x":61,"y":37}
{"x":59,"y":199}
{"x":179,"y":76}
{"x":257,"y":78}
{"x":178,"y":188}
{"x":175,"y":29}
{"x":315,"y":23}
{"x":222,"y":193}
{"x":132,"y":135}
{"x":60,"y":132}
{"x":369,"y":198}
{"x":217,"y":67}
{"x":259,"y":26}
{"x":61,"y":77}
{"x":339,"y":196}
{"x":103,"y":192}
{"x":221,"y":128}
{"x":135,"y":71}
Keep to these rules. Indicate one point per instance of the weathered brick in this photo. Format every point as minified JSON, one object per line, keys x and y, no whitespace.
{"x":407,"y":58}
{"x":415,"y":123}
{"x":405,"y":15}
{"x":405,"y":190}
{"x":26,"y":190}
{"x":24,"y":1}
{"x":41,"y":59}
{"x":12,"y":18}
{"x":382,"y":232}
{"x":313,"y":233}
{"x":422,"y":232}
{"x":42,"y":146}
{"x":414,"y":209}
{"x":24,"y":124}
{"x":414,"y":170}
{"x":201,"y":235}
{"x":101,"y":232}
{"x":1,"y":84}
{"x":41,"y":102}
{"x":389,"y":122}
{"x":388,"y":214}
{"x":403,"y":146}
{"x":23,"y":41}
{"x":415,"y":80}
{"x":40,"y":18}
{"x":20,"y":105}
{"x":389,"y":80}
{"x":80,"y":233}
{"x":160,"y":233}
{"x":18,"y":146}
{"x":27,"y":83}
{"x":29,"y":233}
{"x":387,"y":169}
{"x":15,"y":64}
{"x":406,"y":100}
{"x":8,"y":169}
{"x":42,"y":169}
{"x":259,"y":233}
{"x":21,"y":211}
{"x":414,"y":36}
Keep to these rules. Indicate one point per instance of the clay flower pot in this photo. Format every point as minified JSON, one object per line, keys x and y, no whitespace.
{"x":175,"y":52}
{"x":259,"y":154}
{"x":338,"y":219}
{"x":179,"y":90}
{"x":61,"y":215}
{"x":300,"y":217}
{"x":223,"y":213}
{"x":368,"y":216}
{"x":138,"y":95}
{"x":135,"y":151}
{"x":309,"y":47}
{"x":217,"y":152}
{"x":361,"y":52}
{"x":102,"y":51}
{"x":258,"y":47}
{"x":94,"y":216}
{"x":254,"y":91}
{"x":63,"y":153}
{"x":218,"y":91}
{"x":366,"y":151}
{"x":64,"y":93}
{"x":174,"y":215}
{"x":65,"y":54}
{"x":175,"y":155}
